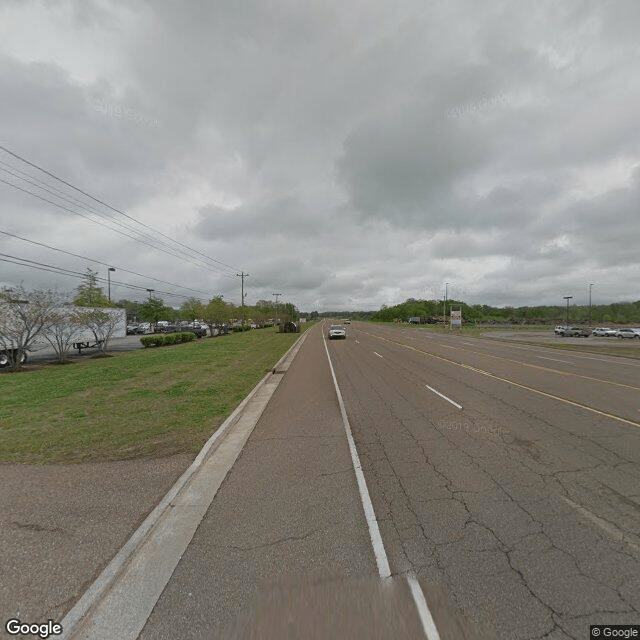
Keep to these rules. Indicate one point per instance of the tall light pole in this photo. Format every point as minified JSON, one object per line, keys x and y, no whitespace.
{"x":590,"y":285}
{"x":444,"y":306}
{"x":150,"y":292}
{"x":109,"y":270}
{"x":566,"y":319}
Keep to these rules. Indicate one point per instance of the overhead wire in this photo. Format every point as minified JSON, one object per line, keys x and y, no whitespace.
{"x":122,"y":213}
{"x":69,"y":272}
{"x":105,"y":264}
{"x":102,"y":224}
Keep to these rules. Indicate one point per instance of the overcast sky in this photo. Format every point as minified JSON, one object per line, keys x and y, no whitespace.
{"x":344,"y":154}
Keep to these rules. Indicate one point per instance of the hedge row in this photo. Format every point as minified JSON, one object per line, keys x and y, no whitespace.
{"x":168,"y":338}
{"x":242,"y":327}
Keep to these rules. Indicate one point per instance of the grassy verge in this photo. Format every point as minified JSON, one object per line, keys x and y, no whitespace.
{"x":144,"y":403}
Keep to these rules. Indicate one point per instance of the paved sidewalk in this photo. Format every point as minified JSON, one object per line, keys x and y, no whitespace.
{"x":61,"y":524}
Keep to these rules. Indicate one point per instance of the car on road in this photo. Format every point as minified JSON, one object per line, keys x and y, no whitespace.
{"x":559,"y":329}
{"x":337,"y":331}
{"x":628,"y":332}
{"x":575,"y":332}
{"x":606,"y":332}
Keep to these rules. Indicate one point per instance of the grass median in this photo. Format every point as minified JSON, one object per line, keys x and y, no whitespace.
{"x":145,"y":403}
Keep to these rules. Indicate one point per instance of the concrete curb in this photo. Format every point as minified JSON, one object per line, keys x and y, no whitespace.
{"x":73,"y":622}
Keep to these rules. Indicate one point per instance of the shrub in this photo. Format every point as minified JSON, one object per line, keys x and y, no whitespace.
{"x":167,"y":339}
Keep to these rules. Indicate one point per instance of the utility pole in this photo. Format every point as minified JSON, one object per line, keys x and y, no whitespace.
{"x":242,"y":275}
{"x":150,"y":292}
{"x":276,"y":297}
{"x":567,"y":298}
{"x":590,"y":285}
{"x":109,"y":270}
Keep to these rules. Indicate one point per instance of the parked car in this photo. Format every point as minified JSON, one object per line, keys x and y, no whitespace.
{"x":604,"y":332}
{"x":337,"y":331}
{"x":575,"y":332}
{"x":628,"y":332}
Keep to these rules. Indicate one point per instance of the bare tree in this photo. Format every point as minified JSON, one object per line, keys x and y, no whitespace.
{"x":64,"y":329}
{"x":101,"y":323}
{"x":24,"y":317}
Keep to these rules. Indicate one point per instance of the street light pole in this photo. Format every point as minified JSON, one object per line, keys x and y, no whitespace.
{"x":590,"y":285}
{"x":566,"y":320}
{"x":109,"y":270}
{"x":150,"y":292}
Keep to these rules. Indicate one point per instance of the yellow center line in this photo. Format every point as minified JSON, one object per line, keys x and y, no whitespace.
{"x":516,"y":384}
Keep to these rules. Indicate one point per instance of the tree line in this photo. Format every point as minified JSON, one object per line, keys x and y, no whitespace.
{"x":615,"y":313}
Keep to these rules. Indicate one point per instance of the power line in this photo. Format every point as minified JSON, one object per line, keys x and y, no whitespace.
{"x":175,"y":255}
{"x":122,"y":213}
{"x":24,"y":262}
{"x":105,"y":264}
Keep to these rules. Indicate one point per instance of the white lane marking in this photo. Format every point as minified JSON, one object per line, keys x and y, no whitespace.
{"x":455,"y":404}
{"x":374,"y":532}
{"x":384,"y":571}
{"x":517,"y":384}
{"x":470,"y":344}
{"x":617,"y":534}
{"x":379,"y":356}
{"x":555,"y":360}
{"x":428,"y":624}
{"x":357,"y":341}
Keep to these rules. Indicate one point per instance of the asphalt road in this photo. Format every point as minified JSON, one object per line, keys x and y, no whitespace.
{"x":506,"y":477}
{"x":523,"y":504}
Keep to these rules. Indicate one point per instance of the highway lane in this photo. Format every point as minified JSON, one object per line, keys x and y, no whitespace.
{"x":524,"y":504}
{"x":600,"y":385}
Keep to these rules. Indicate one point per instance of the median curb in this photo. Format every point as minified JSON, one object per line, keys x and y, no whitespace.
{"x":75,"y":624}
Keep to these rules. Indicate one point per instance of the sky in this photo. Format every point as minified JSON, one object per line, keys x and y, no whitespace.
{"x":346,"y":155}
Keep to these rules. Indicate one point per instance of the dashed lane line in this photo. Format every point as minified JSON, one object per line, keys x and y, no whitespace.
{"x":379,"y":356}
{"x":554,"y":359}
{"x":517,"y":384}
{"x":455,"y":404}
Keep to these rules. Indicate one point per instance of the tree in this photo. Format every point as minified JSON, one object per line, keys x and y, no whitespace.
{"x":63,"y":331}
{"x":25,"y":316}
{"x":216,"y":312}
{"x":101,"y":323}
{"x":192,"y":309}
{"x":89,"y":293}
{"x":154,"y":310}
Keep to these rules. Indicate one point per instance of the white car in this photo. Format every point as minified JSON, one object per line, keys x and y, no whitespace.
{"x":337,"y":331}
{"x":628,"y":332}
{"x":559,"y":329}
{"x":604,"y":331}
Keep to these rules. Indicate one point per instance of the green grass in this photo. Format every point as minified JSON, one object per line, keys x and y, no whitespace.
{"x":144,"y":403}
